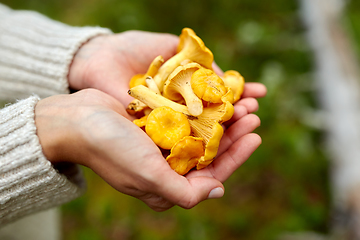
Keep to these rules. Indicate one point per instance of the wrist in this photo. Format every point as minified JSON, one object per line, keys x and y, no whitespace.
{"x":58,"y":136}
{"x":80,"y":65}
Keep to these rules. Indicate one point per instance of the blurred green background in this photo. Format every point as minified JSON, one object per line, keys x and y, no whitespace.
{"x":284,"y":186}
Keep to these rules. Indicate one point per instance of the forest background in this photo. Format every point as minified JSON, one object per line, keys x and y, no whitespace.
{"x":284,"y":186}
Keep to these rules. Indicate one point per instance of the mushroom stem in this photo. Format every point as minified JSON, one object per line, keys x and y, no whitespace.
{"x":152,"y":85}
{"x":135,"y":106}
{"x":194,"y":104}
{"x":167,"y":68}
{"x":178,"y":86}
{"x":153,"y":100}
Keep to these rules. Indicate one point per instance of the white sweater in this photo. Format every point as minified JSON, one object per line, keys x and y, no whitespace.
{"x":35,"y":55}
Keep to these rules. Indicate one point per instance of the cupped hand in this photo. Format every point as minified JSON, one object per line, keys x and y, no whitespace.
{"x":93,"y":129}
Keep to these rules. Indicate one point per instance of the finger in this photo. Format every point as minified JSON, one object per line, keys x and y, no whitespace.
{"x":235,"y":156}
{"x":243,"y":126}
{"x":251,"y":104}
{"x":187,"y":193}
{"x":254,"y":90}
{"x":225,"y":165}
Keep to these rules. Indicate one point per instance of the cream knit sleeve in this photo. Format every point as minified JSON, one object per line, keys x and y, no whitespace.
{"x":35,"y":55}
{"x":28,"y":181}
{"x":36,"y":52}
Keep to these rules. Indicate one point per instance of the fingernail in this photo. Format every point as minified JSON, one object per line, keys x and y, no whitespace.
{"x":216,"y":193}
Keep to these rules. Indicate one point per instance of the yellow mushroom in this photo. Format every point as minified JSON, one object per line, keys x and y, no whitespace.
{"x":152,"y":85}
{"x":139,"y":79}
{"x":236,"y":82}
{"x":141,"y":122}
{"x":178,"y":87}
{"x":136,"y":107}
{"x":185,"y":154}
{"x":208,"y":126}
{"x":228,"y":96}
{"x":166,"y":127}
{"x":214,"y":135}
{"x":217,"y":112}
{"x":154,"y":100}
{"x":190,"y":48}
{"x":208,"y":86}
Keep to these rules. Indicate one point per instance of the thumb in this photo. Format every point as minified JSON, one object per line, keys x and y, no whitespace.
{"x":187,"y":193}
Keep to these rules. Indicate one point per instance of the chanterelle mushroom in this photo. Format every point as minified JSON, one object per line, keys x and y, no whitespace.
{"x":154,"y":100}
{"x":235,"y":82}
{"x":141,"y":122}
{"x":208,"y":86}
{"x":185,"y":154}
{"x":166,"y":127}
{"x":178,"y":86}
{"x":208,"y":126}
{"x":190,"y":47}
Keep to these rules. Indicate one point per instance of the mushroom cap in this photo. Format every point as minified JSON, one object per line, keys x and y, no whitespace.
{"x":228,"y":96}
{"x":154,"y":66}
{"x":211,"y":136}
{"x":165,"y":127}
{"x":217,"y":112}
{"x":211,"y":147}
{"x":185,"y":154}
{"x":190,"y":48}
{"x":208,"y":127}
{"x":208,"y":86}
{"x":189,"y":40}
{"x":235,"y":82}
{"x":141,"y":122}
{"x":137,"y":79}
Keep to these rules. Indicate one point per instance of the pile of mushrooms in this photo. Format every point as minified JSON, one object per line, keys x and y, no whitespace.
{"x":181,"y":103}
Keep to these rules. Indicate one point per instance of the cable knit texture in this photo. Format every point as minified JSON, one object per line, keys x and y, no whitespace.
{"x":28,"y":182}
{"x":36,"y":52}
{"x":35,"y":56}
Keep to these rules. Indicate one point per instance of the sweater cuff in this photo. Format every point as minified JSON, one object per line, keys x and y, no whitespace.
{"x":28,"y":181}
{"x":36,"y":53}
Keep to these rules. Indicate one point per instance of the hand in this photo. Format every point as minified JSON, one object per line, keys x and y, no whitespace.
{"x":107,"y":63}
{"x":92,"y":129}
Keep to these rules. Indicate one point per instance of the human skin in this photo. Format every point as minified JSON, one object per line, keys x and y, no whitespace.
{"x":91,"y":127}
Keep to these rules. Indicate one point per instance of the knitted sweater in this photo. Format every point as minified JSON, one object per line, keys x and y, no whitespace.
{"x":35,"y":55}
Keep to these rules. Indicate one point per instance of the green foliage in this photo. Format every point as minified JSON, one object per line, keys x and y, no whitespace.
{"x":284,"y":185}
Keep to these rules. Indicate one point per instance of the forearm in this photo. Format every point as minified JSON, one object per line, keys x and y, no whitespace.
{"x":36,"y":53}
{"x":28,"y":181}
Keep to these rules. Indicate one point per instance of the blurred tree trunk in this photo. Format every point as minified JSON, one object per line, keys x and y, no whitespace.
{"x":338,"y":93}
